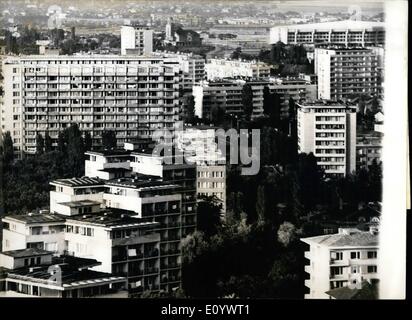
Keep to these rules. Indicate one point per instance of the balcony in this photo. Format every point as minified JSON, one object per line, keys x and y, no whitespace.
{"x":152,"y":270}
{"x":307,"y":255}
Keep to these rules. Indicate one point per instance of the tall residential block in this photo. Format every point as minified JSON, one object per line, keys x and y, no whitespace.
{"x":344,"y":73}
{"x":130,"y":95}
{"x":136,"y":40}
{"x":328,"y":130}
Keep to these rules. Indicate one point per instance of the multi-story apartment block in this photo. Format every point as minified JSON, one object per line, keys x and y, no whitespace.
{"x":344,"y":73}
{"x":200,"y":147}
{"x":328,"y":130}
{"x":131,"y":95}
{"x":34,"y":231}
{"x":136,"y":40}
{"x":345,"y":259}
{"x":224,"y":68}
{"x":171,"y":169}
{"x":368,"y":148}
{"x":145,"y":198}
{"x":192,"y":66}
{"x":36,"y":273}
{"x":227,"y":94}
{"x":348,"y":33}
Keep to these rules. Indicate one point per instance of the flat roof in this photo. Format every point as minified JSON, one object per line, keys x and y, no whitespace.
{"x":140,"y":184}
{"x":324,"y":103}
{"x":71,"y":277}
{"x":78,"y":182}
{"x":37,"y":218}
{"x":109,"y":153}
{"x":80,"y":203}
{"x":29,"y":252}
{"x":343,"y":24}
{"x":111,"y":219}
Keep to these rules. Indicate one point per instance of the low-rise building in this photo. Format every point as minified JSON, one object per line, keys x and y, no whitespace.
{"x":345,"y":259}
{"x":36,"y":273}
{"x":348,"y":33}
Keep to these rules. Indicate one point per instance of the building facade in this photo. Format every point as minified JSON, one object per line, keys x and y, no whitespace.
{"x":368,"y":149}
{"x":344,"y":73}
{"x":136,"y":40}
{"x":224,"y":68}
{"x":227,"y":94}
{"x":348,"y":33}
{"x":328,"y":130}
{"x":345,"y":259}
{"x":130,"y":95}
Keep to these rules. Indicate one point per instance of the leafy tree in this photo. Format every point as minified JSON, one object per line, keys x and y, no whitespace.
{"x":247,"y":100}
{"x":75,"y":151}
{"x":39,"y":143}
{"x":287,"y":233}
{"x":208,"y":215}
{"x":7,"y":149}
{"x":109,"y":140}
{"x":88,"y":142}
{"x":48,"y":145}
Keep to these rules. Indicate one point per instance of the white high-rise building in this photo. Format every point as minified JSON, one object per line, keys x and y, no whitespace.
{"x":347,"y":72}
{"x":328,"y":130}
{"x":344,"y":259}
{"x":130,"y":95}
{"x":136,"y":40}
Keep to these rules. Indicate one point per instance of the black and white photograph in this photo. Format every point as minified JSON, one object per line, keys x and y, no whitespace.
{"x":182,"y":150}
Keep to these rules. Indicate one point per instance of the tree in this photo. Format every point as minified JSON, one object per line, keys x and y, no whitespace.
{"x":208,"y":215}
{"x":48,"y":145}
{"x":7,"y":149}
{"x":39,"y":143}
{"x":287,"y":233}
{"x":247,"y":100}
{"x":88,"y":142}
{"x":109,"y":140}
{"x":75,"y":151}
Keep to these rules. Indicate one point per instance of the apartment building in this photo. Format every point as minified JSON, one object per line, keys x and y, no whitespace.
{"x":328,"y":130}
{"x":34,"y":231}
{"x":192,"y":66}
{"x":136,"y":40}
{"x":171,"y":168}
{"x":130,"y":95}
{"x":200,"y":147}
{"x":348,"y":33}
{"x":227,"y":94}
{"x":110,"y":238}
{"x":108,"y":164}
{"x":344,"y":259}
{"x":142,"y":197}
{"x":368,"y":148}
{"x":37,"y":273}
{"x":344,"y":73}
{"x":224,"y":68}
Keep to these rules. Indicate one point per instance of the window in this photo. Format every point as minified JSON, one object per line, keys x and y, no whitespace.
{"x":372,"y":254}
{"x":336,"y":255}
{"x":372,"y":269}
{"x":355,"y":255}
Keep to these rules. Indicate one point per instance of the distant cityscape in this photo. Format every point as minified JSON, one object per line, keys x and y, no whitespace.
{"x":120,"y":123}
